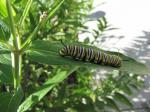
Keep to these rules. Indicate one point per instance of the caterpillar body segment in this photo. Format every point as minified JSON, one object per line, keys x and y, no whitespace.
{"x":90,"y":55}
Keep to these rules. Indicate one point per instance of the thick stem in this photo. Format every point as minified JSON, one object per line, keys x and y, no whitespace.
{"x":16,"y":67}
{"x":16,"y":54}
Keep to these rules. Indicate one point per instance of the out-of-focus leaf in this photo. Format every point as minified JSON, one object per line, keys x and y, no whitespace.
{"x":4,"y":31}
{"x":16,"y":1}
{"x":38,"y":95}
{"x":32,"y":21}
{"x":25,"y":12}
{"x":5,"y":69}
{"x":100,"y":105}
{"x":6,"y":74}
{"x":87,"y":40}
{"x":4,"y":51}
{"x":52,"y":12}
{"x":111,"y":103}
{"x":127,"y":89}
{"x":5,"y":59}
{"x":84,"y":107}
{"x":123,"y":99}
{"x":3,"y":10}
{"x":4,"y":101}
{"x":9,"y":103}
{"x":136,"y":87}
{"x":15,"y":101}
{"x":48,"y":53}
{"x":102,"y":24}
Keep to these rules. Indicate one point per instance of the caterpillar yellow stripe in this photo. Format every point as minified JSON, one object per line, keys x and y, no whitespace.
{"x":90,"y":55}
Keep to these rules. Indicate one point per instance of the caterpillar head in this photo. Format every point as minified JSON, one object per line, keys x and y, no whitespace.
{"x":118,"y":61}
{"x":62,"y":52}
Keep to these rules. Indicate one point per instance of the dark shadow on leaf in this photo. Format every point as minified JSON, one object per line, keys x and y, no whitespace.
{"x":35,"y":98}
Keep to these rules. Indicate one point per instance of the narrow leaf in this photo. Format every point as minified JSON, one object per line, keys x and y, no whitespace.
{"x":38,"y":95}
{"x":136,"y":87}
{"x":123,"y":99}
{"x":15,"y":101}
{"x":25,"y":12}
{"x":48,"y":52}
{"x":32,"y":21}
{"x":127,"y":89}
{"x":11,"y":21}
{"x":43,"y":22}
{"x":3,"y":10}
{"x":99,"y":104}
{"x":5,"y":59}
{"x":112,"y":104}
{"x":4,"y":31}
{"x":4,"y":51}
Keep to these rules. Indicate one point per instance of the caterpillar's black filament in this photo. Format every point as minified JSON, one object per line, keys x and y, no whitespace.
{"x":90,"y":55}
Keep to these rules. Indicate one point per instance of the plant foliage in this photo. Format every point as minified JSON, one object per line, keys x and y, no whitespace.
{"x":35,"y":78}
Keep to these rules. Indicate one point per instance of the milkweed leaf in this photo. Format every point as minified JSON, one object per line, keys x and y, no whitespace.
{"x":111,"y":103}
{"x":123,"y":99}
{"x":42,"y":91}
{"x":48,"y":53}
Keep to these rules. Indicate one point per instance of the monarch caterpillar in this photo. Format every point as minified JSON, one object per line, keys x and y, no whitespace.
{"x":90,"y":55}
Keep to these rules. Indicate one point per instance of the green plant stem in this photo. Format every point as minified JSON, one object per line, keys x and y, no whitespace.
{"x":16,"y":54}
{"x":16,"y":65}
{"x":41,"y":23}
{"x":12,"y":24}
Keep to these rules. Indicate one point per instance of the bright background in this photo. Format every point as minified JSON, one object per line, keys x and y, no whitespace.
{"x":132,"y":36}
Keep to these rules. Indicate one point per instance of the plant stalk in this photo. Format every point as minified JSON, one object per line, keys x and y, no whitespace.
{"x":16,"y":67}
{"x":12,"y":23}
{"x":15,"y":53}
{"x":41,"y":23}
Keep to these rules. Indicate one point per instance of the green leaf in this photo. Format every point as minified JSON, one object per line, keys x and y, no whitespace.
{"x":48,"y":53}
{"x":6,"y":69}
{"x":4,"y":51}
{"x":85,"y":108}
{"x":38,"y":95}
{"x":9,"y":103}
{"x":15,"y":101}
{"x":127,"y":89}
{"x":5,"y":59}
{"x":99,"y":104}
{"x":3,"y":10}
{"x":16,"y":1}
{"x":4,"y":31}
{"x":25,"y":12}
{"x":32,"y":21}
{"x":11,"y":22}
{"x":43,"y":22}
{"x":112,"y":104}
{"x":4,"y":101}
{"x":6,"y":74}
{"x":134,"y":86}
{"x":123,"y":99}
{"x":88,"y":107}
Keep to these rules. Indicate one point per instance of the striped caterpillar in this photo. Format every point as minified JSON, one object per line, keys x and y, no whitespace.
{"x":90,"y":55}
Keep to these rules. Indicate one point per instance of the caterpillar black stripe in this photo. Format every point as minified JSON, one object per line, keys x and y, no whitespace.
{"x":90,"y":55}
